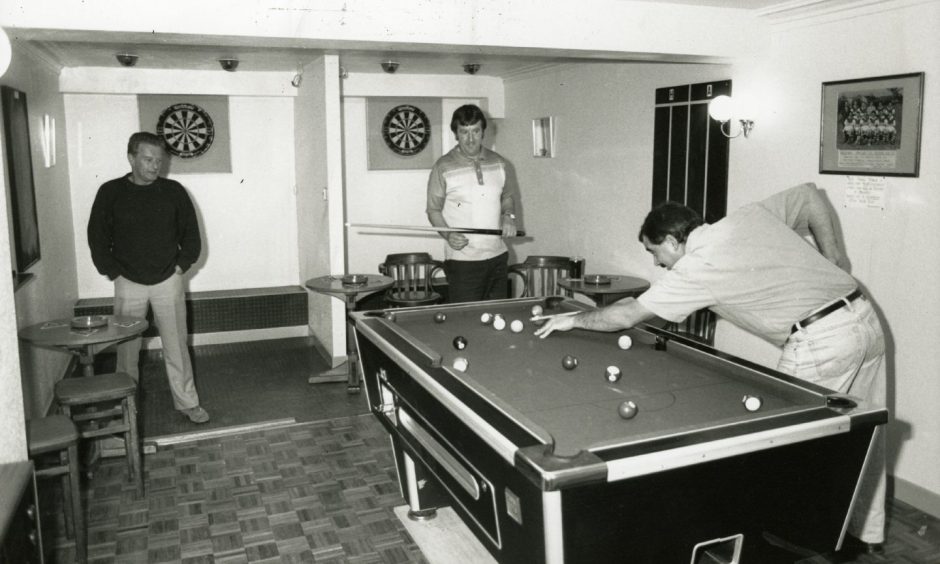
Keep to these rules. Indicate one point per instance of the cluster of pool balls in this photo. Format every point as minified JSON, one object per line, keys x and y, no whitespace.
{"x":626,"y":410}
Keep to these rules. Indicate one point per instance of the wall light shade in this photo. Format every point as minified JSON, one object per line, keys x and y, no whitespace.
{"x":390,"y":66}
{"x":6,"y":52}
{"x":721,"y":109}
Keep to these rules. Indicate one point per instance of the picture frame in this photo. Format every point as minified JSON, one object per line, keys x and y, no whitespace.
{"x":19,"y":166}
{"x":872,"y":126}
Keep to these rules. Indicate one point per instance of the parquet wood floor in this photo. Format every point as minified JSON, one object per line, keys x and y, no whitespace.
{"x":313,"y":492}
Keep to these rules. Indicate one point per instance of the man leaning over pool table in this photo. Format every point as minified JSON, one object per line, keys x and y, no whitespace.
{"x":755,"y":269}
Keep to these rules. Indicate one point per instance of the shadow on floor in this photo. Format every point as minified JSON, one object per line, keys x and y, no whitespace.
{"x":241,"y":384}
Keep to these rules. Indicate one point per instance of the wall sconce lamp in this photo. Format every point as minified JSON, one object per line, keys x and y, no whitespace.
{"x":720,"y":109}
{"x":471,"y":68}
{"x":126,"y":59}
{"x":228,"y":64}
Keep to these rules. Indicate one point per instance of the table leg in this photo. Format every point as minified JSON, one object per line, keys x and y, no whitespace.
{"x":348,"y":371}
{"x":86,"y":357}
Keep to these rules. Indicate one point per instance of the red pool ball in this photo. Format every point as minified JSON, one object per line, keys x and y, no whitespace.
{"x":569,"y":362}
{"x":440,"y":317}
{"x":627,"y":410}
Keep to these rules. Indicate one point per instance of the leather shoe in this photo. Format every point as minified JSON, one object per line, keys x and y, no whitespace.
{"x":855,"y":546}
{"x":196,"y":414}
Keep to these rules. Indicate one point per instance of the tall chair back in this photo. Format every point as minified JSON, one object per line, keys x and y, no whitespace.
{"x":539,"y":275}
{"x":699,"y":326}
{"x":414,"y":275}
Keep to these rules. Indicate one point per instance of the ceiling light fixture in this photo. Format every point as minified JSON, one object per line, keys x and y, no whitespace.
{"x":390,"y":66}
{"x":126,"y":59}
{"x":228,"y":64}
{"x":471,"y":68}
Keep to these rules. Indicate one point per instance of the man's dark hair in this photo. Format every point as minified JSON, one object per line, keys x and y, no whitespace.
{"x":669,"y":218}
{"x":467,"y":115}
{"x":144,"y":138}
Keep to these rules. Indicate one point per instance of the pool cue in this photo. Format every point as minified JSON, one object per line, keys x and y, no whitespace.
{"x":432,"y":228}
{"x":546,"y":317}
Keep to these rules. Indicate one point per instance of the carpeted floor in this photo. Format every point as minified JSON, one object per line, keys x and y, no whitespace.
{"x":241,"y":384}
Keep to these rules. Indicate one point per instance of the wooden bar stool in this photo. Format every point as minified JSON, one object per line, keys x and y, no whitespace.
{"x":57,"y":434}
{"x":105,"y":405}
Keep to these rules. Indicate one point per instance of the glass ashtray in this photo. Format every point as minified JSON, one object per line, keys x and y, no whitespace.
{"x":355,"y":280}
{"x":87,"y":322}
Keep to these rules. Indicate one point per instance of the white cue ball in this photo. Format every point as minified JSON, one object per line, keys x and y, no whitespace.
{"x":461,"y":364}
{"x":486,"y":318}
{"x":625,"y":342}
{"x":752,"y":403}
{"x":516,"y":326}
{"x":499,"y":323}
{"x":537,"y":310}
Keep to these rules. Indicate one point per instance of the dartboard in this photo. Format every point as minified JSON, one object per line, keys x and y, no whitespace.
{"x":406,"y":130}
{"x":187,"y":130}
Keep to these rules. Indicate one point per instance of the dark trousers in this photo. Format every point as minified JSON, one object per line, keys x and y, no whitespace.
{"x":475,"y":280}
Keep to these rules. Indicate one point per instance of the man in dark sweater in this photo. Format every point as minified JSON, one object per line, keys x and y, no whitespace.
{"x":144,"y":235}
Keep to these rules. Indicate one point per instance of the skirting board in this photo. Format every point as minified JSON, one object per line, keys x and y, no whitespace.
{"x":916,"y":496}
{"x":445,"y":539}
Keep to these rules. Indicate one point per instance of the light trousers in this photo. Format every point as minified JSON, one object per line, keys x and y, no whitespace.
{"x":169,"y":312}
{"x":844,"y":352}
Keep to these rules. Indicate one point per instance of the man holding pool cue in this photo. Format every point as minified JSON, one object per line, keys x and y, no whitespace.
{"x":468,"y":187}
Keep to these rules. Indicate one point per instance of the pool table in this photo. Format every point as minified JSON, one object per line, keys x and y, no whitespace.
{"x":538,"y":461}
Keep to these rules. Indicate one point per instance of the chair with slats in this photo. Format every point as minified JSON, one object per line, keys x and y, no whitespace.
{"x":539,"y":275}
{"x":414,"y":275}
{"x":699,"y":326}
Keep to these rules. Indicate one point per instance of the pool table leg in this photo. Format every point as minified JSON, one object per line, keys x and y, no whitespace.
{"x":412,"y":483}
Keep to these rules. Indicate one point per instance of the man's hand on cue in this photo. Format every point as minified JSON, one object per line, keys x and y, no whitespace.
{"x":457,"y":240}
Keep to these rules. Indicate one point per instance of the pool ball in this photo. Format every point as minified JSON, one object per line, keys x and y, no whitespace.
{"x":461,"y":364}
{"x":752,"y":403}
{"x":460,"y":343}
{"x":627,"y":410}
{"x":625,"y":342}
{"x":537,"y":310}
{"x":569,"y":362}
{"x":499,"y":323}
{"x":613,"y":374}
{"x":440,"y":317}
{"x":516,"y":326}
{"x":389,"y":316}
{"x":486,"y":318}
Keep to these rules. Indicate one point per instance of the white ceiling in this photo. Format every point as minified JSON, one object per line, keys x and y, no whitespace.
{"x":98,"y":49}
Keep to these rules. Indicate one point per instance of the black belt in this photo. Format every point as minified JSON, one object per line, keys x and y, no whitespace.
{"x":834,"y":306}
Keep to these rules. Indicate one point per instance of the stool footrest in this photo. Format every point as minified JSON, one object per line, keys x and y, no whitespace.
{"x":92,"y":415}
{"x":105,"y":431}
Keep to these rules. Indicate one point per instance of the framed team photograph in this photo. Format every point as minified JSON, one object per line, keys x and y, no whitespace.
{"x":872,"y":126}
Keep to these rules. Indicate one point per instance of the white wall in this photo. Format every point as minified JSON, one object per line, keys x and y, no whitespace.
{"x":398,"y":197}
{"x":591,"y":198}
{"x":247,"y":217}
{"x":27,"y":373}
{"x":894,"y":252}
